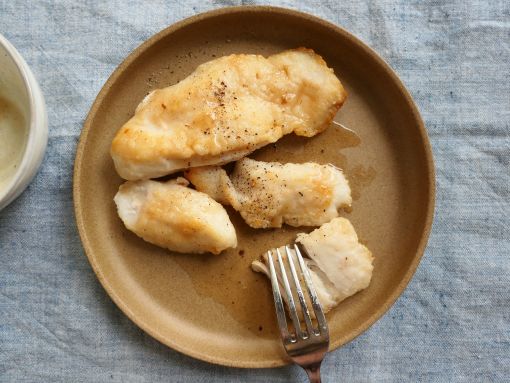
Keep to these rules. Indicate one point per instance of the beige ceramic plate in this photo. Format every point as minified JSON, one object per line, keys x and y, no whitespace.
{"x":214,"y":307}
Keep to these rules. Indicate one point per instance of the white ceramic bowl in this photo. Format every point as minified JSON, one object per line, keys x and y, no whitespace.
{"x":19,"y":86}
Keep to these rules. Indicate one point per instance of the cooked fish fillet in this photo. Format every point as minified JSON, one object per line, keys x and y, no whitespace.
{"x":224,"y":110}
{"x":174,"y":216}
{"x":339,"y":265}
{"x":268,"y":194}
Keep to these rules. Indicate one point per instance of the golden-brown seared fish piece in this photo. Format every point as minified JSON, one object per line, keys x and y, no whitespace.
{"x":226,"y":109}
{"x":174,"y":216}
{"x":267,"y":194}
{"x":339,"y":265}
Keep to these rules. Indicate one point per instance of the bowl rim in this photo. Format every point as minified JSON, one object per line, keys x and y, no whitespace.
{"x":155,"y":333}
{"x":9,"y":192}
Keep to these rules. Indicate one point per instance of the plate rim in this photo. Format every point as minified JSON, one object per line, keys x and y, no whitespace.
{"x":132,"y":56}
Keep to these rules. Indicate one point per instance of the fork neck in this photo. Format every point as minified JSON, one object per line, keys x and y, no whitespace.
{"x":314,"y":373}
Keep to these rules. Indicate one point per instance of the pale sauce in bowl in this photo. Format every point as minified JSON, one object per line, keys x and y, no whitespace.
{"x":13,"y":138}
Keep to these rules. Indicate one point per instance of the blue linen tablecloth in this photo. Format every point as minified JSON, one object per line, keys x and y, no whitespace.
{"x":452,"y":324}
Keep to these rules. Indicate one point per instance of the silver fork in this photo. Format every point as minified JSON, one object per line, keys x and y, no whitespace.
{"x":305,"y":347}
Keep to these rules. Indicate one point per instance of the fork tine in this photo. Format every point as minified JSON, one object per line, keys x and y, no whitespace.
{"x":319,"y":314}
{"x":290,"y":298}
{"x":280,"y":310}
{"x":304,"y":306}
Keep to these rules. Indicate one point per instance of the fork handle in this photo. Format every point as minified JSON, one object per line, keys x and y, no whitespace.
{"x":314,"y":374}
